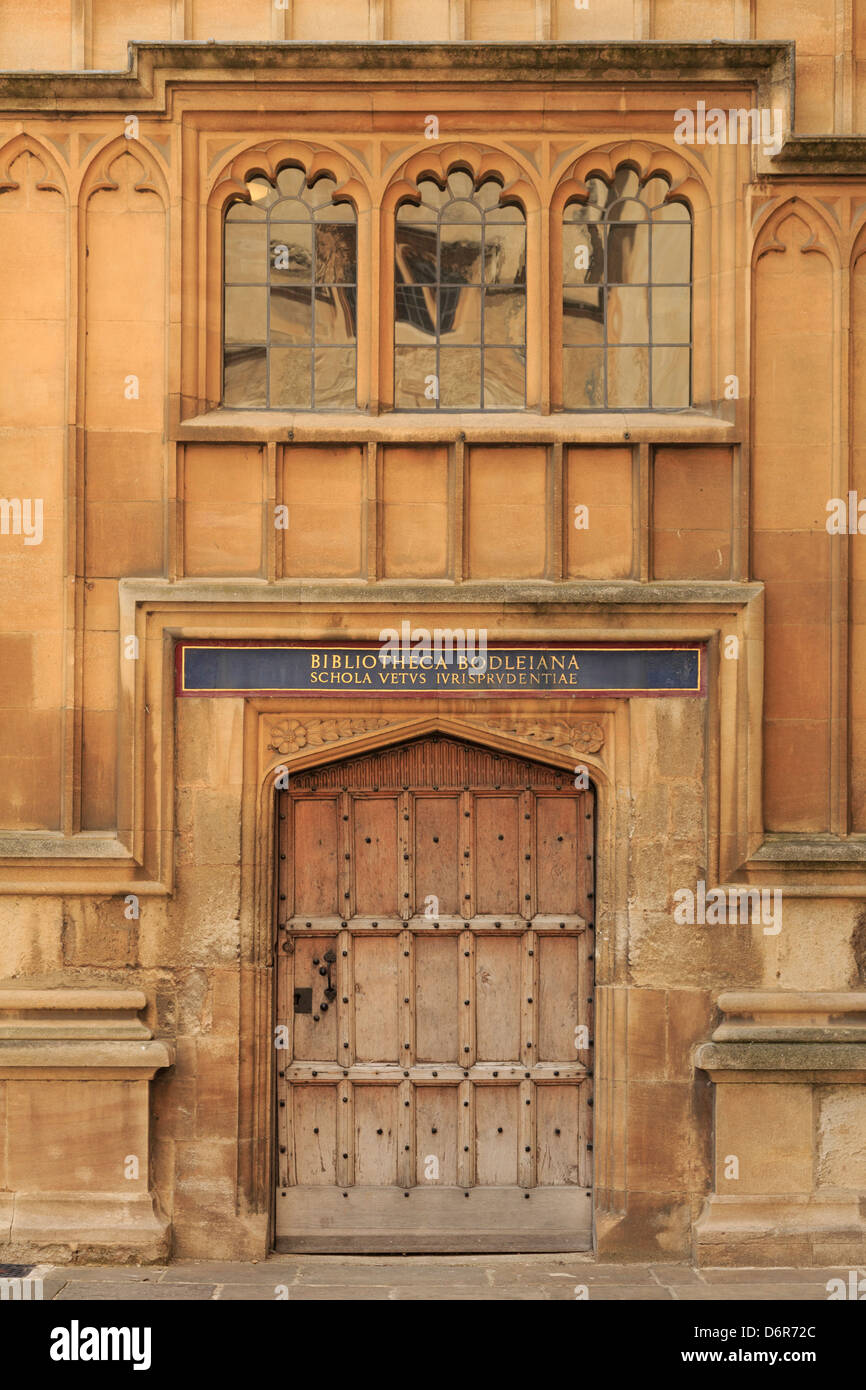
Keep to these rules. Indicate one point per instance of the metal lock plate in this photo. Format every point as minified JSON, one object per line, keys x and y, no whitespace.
{"x":303,"y":1001}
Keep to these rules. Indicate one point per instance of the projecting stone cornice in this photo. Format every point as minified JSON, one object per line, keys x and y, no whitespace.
{"x":154,"y":67}
{"x":579,"y":593}
{"x":822,"y":154}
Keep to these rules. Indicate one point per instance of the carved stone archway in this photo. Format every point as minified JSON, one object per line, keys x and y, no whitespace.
{"x":291,"y":738}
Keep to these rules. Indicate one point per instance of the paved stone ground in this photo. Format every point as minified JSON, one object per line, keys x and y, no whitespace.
{"x":423,"y":1277}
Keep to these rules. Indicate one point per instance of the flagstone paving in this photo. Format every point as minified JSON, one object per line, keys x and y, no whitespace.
{"x":308,"y":1278}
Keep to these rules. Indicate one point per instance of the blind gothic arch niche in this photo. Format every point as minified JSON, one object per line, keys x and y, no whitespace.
{"x":290,"y":295}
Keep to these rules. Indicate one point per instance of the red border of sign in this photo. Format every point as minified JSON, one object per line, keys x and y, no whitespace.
{"x":182,"y":643}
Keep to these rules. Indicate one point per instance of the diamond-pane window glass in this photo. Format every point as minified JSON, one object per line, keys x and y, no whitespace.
{"x":459,"y":299}
{"x":290,"y":297}
{"x":627,"y":297}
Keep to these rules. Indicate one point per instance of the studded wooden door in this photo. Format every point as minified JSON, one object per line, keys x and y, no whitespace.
{"x":434,"y":1004}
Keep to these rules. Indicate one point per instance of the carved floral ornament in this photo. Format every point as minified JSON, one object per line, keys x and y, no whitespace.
{"x":287,"y":736}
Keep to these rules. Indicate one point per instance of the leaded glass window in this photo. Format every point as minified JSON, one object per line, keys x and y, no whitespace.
{"x":290,"y":306}
{"x":626,"y":299}
{"x":460,"y":299}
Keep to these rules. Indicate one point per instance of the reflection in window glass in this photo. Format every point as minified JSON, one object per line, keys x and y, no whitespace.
{"x":626,"y":297}
{"x":460,"y":299}
{"x":290,"y":298}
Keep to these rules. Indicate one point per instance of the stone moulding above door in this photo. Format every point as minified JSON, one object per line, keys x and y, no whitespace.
{"x":137,"y":857}
{"x":288,"y":735}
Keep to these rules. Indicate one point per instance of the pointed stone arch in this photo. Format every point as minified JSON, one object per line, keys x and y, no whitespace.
{"x":301,"y":742}
{"x":98,"y":175}
{"x":52,"y":179}
{"x":820,"y":237}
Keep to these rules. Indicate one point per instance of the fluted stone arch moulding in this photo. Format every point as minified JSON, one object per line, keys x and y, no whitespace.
{"x":266,"y":158}
{"x":99,"y":176}
{"x":121,"y":266}
{"x":520,"y":186}
{"x":799,"y":403}
{"x":34,"y":236}
{"x":298,"y":738}
{"x":854,"y":317}
{"x":687,"y":184}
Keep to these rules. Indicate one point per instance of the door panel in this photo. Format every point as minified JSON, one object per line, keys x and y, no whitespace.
{"x":496,"y":1117}
{"x":497,"y":996}
{"x":497,"y":855}
{"x":375,"y":859}
{"x":315,"y":859}
{"x":436,"y":1135}
{"x":376,"y":1011}
{"x":433,"y":963}
{"x":437,"y":867}
{"x":437,"y":1001}
{"x":315,"y":1132}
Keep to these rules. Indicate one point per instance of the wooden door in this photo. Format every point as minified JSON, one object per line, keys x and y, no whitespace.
{"x":434,"y":1004}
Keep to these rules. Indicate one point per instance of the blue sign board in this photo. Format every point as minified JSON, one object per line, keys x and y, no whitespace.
{"x":281,"y":668}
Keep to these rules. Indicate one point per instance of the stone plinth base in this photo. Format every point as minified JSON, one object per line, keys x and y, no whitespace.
{"x":75,"y":1073}
{"x":79,"y":1228}
{"x":816,"y":1229}
{"x":789,"y":1072}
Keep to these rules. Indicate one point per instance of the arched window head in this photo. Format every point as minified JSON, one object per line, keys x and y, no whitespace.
{"x":459,"y":299}
{"x":290,"y":310}
{"x":626,"y":297}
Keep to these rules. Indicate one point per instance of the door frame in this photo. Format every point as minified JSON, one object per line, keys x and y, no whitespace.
{"x":300,"y":733}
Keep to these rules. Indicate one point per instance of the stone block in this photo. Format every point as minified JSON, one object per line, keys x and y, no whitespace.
{"x":769,"y":1132}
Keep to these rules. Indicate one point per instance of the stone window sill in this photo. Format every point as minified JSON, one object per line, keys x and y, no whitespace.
{"x":275,"y":426}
